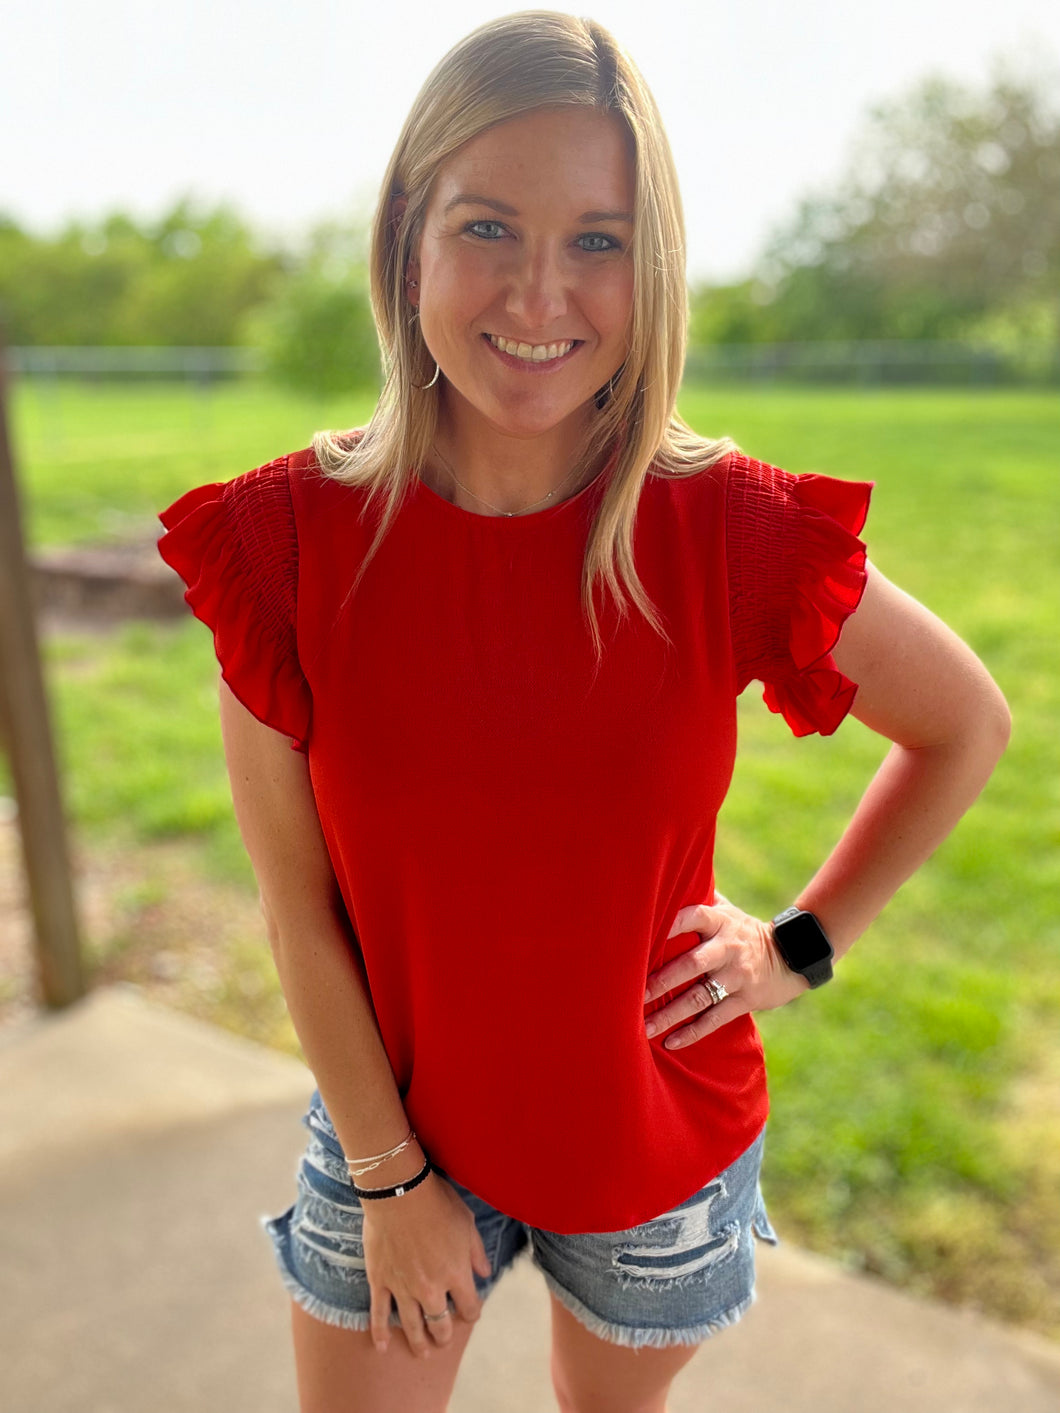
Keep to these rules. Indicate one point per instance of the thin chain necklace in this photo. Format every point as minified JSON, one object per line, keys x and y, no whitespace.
{"x":508,"y":513}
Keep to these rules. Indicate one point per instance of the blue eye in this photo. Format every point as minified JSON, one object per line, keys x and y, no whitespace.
{"x":593,"y":242}
{"x":475,"y":228}
{"x":609,"y":242}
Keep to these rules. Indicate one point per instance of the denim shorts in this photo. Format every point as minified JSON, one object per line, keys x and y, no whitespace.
{"x":675,"y":1279}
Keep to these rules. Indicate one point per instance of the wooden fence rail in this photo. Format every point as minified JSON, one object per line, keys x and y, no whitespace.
{"x":25,"y":732}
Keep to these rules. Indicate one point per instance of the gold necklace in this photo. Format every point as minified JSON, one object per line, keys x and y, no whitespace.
{"x":508,"y":513}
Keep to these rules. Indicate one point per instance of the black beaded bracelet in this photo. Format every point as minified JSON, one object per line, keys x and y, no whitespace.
{"x":399,"y":1190}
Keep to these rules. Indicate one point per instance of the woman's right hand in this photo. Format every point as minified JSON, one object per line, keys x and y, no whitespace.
{"x":419,"y":1248}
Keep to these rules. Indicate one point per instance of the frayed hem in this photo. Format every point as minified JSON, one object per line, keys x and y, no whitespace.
{"x":334,"y":1314}
{"x":312,"y":1304}
{"x":634,"y":1338}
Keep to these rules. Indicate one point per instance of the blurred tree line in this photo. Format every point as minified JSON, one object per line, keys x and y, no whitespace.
{"x":946,"y":225}
{"x":196,"y":278}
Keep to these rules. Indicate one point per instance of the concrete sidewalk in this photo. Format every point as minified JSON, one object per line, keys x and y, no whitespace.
{"x":138,"y":1149}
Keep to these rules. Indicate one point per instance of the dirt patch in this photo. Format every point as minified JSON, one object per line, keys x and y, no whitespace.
{"x":149,"y":917}
{"x":150,"y":914}
{"x":105,"y":583}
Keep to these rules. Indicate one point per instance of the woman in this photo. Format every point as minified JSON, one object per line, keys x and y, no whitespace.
{"x":503,"y":628}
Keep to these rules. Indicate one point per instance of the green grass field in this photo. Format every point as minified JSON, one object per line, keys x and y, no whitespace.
{"x":916,"y":1127}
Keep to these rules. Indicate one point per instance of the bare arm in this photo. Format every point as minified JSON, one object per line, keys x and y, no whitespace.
{"x":419,"y":1247}
{"x":317,"y":955}
{"x":926,"y":691}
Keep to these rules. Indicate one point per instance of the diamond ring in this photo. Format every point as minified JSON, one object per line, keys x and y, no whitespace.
{"x":715,"y":989}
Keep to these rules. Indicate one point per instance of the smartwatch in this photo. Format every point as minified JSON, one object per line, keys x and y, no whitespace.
{"x":800,"y":939}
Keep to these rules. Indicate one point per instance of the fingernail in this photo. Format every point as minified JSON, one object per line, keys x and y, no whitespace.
{"x":673,"y":1042}
{"x":650,"y":1027}
{"x":647,"y":995}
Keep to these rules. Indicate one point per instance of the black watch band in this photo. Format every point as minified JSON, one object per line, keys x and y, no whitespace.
{"x":802,"y":942}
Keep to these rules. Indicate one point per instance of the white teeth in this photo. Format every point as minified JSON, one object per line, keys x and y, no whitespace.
{"x":534,"y":353}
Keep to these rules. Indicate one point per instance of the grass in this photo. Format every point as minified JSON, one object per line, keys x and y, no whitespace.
{"x":916,"y":1128}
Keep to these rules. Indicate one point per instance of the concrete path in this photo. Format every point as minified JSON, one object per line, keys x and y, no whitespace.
{"x":138,"y":1149}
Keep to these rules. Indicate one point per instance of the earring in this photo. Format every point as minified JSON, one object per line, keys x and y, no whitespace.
{"x":422,"y":387}
{"x":413,"y":284}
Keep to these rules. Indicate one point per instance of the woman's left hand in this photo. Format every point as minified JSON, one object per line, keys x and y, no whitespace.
{"x":734,"y":950}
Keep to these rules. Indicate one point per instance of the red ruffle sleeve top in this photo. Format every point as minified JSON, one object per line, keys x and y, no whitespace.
{"x":513,"y":831}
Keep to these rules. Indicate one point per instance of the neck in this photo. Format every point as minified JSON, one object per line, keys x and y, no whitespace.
{"x":490,"y":472}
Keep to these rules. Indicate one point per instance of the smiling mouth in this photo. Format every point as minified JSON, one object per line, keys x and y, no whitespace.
{"x":532,"y":352}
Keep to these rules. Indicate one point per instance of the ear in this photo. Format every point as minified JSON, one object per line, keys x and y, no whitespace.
{"x":398,"y":205}
{"x":412,"y":282}
{"x":397,"y":209}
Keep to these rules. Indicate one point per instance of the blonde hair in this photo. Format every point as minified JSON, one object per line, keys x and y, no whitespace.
{"x":510,"y":66}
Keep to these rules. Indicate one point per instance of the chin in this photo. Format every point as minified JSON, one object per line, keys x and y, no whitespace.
{"x":537,"y":422}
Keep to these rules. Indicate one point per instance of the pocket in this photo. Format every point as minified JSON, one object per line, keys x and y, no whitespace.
{"x":318,"y":1121}
{"x":331,"y":1229}
{"x":760,"y":1223}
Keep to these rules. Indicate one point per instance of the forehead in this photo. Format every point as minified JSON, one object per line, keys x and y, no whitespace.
{"x":581,"y":153}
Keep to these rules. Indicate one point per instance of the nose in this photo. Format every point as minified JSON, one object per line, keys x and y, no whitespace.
{"x":537,"y":291}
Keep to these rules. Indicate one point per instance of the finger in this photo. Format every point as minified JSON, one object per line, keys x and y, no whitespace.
{"x":687,"y":1006}
{"x":412,"y":1323}
{"x":706,"y":957}
{"x":379,"y":1320}
{"x":467,"y":1302}
{"x":441,"y":1331}
{"x":706,"y":1024}
{"x":697,"y":917}
{"x":479,"y":1256}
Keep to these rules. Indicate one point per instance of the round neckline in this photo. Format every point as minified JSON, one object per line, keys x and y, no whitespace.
{"x":424,"y":492}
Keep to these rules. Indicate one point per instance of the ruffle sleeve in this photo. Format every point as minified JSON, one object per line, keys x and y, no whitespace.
{"x":796,"y":573}
{"x":235,"y":545}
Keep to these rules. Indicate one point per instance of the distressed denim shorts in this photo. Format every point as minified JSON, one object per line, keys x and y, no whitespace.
{"x":675,"y":1279}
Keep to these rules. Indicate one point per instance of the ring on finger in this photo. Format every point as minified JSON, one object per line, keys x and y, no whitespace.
{"x":715,"y":990}
{"x":443,"y":1316}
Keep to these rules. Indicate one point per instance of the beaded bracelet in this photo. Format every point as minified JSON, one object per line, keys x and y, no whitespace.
{"x":372,"y":1193}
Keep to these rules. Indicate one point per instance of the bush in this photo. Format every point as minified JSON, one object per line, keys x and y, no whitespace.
{"x":318,"y":336}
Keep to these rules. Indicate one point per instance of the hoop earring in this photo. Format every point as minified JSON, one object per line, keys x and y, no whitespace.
{"x":422,"y":387}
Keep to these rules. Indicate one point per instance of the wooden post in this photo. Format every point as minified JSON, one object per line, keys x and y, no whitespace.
{"x":28,"y":741}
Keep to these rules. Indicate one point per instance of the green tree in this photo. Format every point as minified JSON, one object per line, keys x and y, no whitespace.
{"x":317,"y":333}
{"x":949,"y":211}
{"x":188,"y":278}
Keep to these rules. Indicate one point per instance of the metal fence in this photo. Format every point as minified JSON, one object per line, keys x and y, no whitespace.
{"x":868,"y":362}
{"x":196,"y":365}
{"x":871,"y":362}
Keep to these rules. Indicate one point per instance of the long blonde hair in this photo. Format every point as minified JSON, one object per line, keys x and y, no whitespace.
{"x":535,"y":59}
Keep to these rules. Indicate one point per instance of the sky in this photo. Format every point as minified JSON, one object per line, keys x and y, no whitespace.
{"x":290,"y":111}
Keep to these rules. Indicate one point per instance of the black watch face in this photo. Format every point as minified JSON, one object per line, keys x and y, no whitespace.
{"x":802,"y":942}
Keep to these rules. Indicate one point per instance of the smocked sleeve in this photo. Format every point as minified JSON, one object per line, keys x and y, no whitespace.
{"x":796,"y":572}
{"x":235,"y":546}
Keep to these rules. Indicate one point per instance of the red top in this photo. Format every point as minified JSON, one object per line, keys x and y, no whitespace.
{"x":513,"y":833}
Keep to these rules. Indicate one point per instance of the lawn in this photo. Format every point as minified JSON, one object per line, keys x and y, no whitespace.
{"x":916,"y":1128}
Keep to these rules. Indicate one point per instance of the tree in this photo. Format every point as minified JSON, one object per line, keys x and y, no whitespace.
{"x":318,"y":335}
{"x":188,"y":278}
{"x":317,"y":332}
{"x":949,"y":211}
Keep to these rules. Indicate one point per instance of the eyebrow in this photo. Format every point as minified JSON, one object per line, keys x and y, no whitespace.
{"x":587,"y":218}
